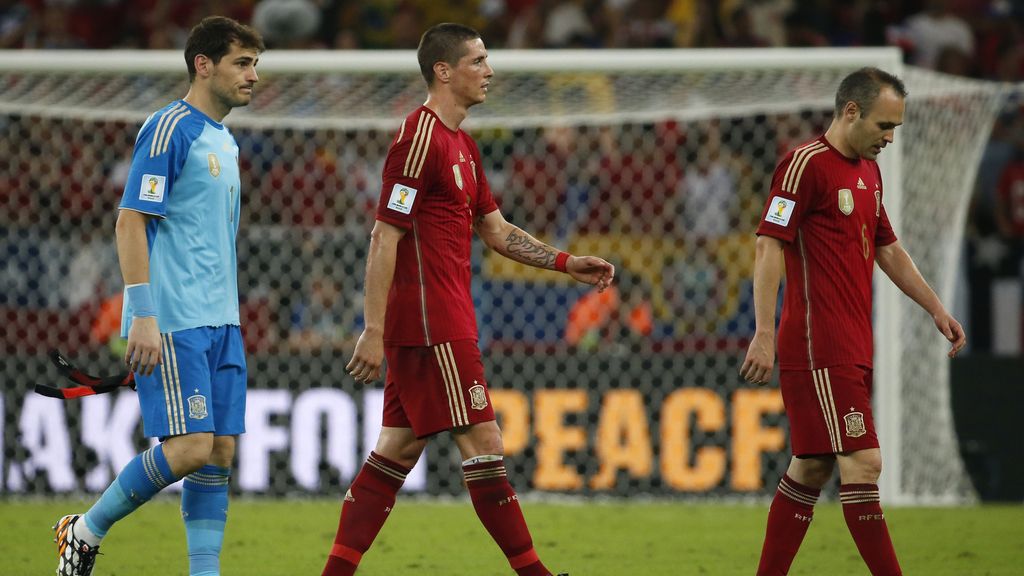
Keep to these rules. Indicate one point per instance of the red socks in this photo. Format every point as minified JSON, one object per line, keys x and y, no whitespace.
{"x":367,"y":504}
{"x":372,"y":496}
{"x":788,"y":519}
{"x":497,"y":506}
{"x":867,"y":526}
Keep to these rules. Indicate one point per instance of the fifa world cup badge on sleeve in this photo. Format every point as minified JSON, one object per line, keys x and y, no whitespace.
{"x":152,"y":188}
{"x":402,"y":198}
{"x":779,"y":211}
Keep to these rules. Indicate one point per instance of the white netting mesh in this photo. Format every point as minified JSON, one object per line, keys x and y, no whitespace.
{"x":947,"y":124}
{"x":661,"y":169}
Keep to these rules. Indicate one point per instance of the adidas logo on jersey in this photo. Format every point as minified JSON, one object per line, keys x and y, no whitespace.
{"x":860,"y":185}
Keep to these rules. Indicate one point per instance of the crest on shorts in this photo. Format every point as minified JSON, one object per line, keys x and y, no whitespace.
{"x":477,"y":397}
{"x":197,"y":407}
{"x":214,"y":163}
{"x":846,"y":201}
{"x":458,"y":175}
{"x":855,"y":424}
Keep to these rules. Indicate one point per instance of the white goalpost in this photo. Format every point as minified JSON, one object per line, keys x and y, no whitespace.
{"x":661,"y":157}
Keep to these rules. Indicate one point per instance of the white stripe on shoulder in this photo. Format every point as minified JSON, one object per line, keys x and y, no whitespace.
{"x":160,"y":126}
{"x":420,"y":145}
{"x":170,"y":130}
{"x":415,"y":142}
{"x":401,"y":132}
{"x":797,"y":154}
{"x":423,"y":157}
{"x":796,"y":168}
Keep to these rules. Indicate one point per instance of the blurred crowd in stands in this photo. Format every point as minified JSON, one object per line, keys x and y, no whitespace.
{"x":981,"y":38}
{"x":561,"y":175}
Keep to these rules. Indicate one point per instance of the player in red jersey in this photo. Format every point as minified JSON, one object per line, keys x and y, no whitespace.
{"x":434,"y":196}
{"x":826,"y":220}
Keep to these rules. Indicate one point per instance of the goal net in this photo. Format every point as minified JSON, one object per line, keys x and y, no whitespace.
{"x":655,"y":160}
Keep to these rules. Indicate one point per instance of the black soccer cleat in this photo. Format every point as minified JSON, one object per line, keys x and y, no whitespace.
{"x":74,"y":556}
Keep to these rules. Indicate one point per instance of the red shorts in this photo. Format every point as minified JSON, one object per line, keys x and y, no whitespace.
{"x":829,"y":409}
{"x":430,"y":389}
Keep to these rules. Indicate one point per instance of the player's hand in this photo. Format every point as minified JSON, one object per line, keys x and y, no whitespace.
{"x":143,"y":352}
{"x":952,"y":330}
{"x":368,"y":357}
{"x":757,"y":367}
{"x":591,"y":270}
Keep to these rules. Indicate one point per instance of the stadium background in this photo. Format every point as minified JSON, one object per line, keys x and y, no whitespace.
{"x":637,"y":394}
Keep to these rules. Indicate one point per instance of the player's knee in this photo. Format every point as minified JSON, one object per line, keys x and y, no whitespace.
{"x":223,"y":451}
{"x":188,"y":453}
{"x":409,"y":453}
{"x":817,"y":477}
{"x":813,"y":472}
{"x":480,"y":439}
{"x":862,"y":467}
{"x":870,"y":468}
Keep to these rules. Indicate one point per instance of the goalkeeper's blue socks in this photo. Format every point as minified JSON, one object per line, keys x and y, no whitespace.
{"x":204,"y":507}
{"x":147,"y":474}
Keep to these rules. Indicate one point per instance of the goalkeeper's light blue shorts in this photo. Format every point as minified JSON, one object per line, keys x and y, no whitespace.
{"x":199,"y":386}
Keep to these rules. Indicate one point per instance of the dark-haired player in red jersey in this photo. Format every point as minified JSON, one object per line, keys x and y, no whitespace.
{"x":824,"y":217}
{"x":434,"y":196}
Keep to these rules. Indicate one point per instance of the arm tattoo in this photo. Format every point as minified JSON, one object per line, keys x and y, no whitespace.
{"x":523,"y":248}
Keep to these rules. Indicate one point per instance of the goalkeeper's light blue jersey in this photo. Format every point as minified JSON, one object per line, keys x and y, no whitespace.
{"x":184,"y":171}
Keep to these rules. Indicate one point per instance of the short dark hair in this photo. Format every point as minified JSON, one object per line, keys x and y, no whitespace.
{"x":213,"y":38}
{"x":443,"y":43}
{"x":862,"y":87}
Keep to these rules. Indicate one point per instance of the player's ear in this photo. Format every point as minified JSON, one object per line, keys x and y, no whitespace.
{"x":442,"y":71}
{"x":203,"y":64}
{"x":851,"y":111}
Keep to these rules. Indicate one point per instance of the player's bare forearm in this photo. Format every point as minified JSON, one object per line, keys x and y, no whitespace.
{"x":143,"y":351}
{"x":132,"y":246}
{"x":380,"y":271}
{"x":768,"y":266}
{"x":368,"y":356}
{"x":900,"y":268}
{"x":517,"y":245}
{"x":523,"y":248}
{"x":513,"y":243}
{"x":760,"y":359}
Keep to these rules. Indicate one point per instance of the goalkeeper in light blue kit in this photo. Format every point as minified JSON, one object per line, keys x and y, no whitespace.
{"x":176,"y":231}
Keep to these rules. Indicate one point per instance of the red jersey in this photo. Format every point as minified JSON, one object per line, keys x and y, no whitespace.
{"x":434,"y":187}
{"x":828,"y":210}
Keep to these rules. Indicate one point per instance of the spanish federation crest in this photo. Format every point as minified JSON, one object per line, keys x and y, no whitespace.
{"x":458,"y":175}
{"x":846,"y":201}
{"x":477,"y":397}
{"x":214,"y":163}
{"x":855,"y":424}
{"x":197,"y":407}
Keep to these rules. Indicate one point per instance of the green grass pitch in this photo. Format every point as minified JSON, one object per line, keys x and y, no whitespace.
{"x":284,"y":537}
